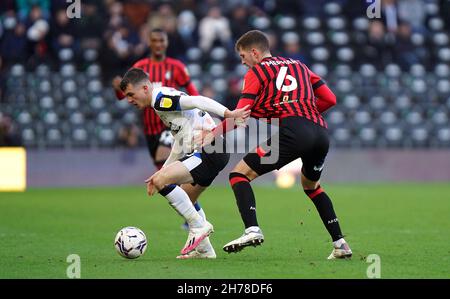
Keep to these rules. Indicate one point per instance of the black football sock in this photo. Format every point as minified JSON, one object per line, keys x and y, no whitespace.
{"x":245,"y":198}
{"x":325,"y":208}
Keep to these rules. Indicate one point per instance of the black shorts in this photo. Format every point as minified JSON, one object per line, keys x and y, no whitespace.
{"x":164,"y":138}
{"x":298,"y":138}
{"x":204,"y":167}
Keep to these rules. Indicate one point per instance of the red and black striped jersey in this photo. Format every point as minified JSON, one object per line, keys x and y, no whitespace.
{"x":170,"y":73}
{"x":279,"y":87}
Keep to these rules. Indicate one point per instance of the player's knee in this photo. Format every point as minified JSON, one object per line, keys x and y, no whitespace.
{"x":308,"y":184}
{"x":246,"y":171}
{"x":160,"y":180}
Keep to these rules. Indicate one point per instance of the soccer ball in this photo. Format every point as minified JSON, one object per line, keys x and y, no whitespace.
{"x":130,"y":242}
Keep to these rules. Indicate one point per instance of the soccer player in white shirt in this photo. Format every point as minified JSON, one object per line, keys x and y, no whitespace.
{"x":185,"y":116}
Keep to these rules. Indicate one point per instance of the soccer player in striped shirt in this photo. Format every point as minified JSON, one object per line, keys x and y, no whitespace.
{"x":168,"y":72}
{"x":285,"y":89}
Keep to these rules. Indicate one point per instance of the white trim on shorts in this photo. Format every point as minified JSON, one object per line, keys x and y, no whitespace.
{"x":192,"y":162}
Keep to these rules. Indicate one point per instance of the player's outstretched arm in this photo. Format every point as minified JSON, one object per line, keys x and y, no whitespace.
{"x":209,"y":105}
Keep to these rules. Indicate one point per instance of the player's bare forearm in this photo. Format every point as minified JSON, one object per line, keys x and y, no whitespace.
{"x":238,"y":113}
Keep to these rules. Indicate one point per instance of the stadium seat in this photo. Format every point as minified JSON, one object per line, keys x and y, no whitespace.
{"x":104,"y":118}
{"x":362,"y":117}
{"x":440,"y":39}
{"x":368,"y":136}
{"x":361,"y":24}
{"x":76,"y":119}
{"x":45,"y":86}
{"x":340,"y":38}
{"x":90,"y":55}
{"x":69,"y":87}
{"x":217,"y":70}
{"x":443,"y":136}
{"x":351,"y":101}
{"x":17,"y":70}
{"x":79,"y":138}
{"x":342,"y":137}
{"x":286,"y":23}
{"x":195,"y":70}
{"x":419,"y":136}
{"x":46,"y":102}
{"x":261,"y":22}
{"x":320,"y":54}
{"x":65,"y":54}
{"x":345,"y":54}
{"x":368,"y":70}
{"x":402,"y":102}
{"x":94,"y":86}
{"x":311,"y":23}
{"x":42,"y":71}
{"x":50,"y":118}
{"x":93,"y":71}
{"x":417,"y":39}
{"x":336,"y":23}
{"x":220,"y":85}
{"x":435,"y":24}
{"x":444,"y":54}
{"x":414,"y":117}
{"x":431,"y":8}
{"x":387,"y":118}
{"x":335,"y":117}
{"x":218,"y":54}
{"x":315,"y":38}
{"x":72,"y":103}
{"x":392,"y":70}
{"x":54,"y":138}
{"x":129,"y":118}
{"x":320,"y":69}
{"x":419,"y":88}
{"x":394,"y":136}
{"x":442,"y":70}
{"x":194,"y":54}
{"x":443,"y":88}
{"x":440,"y":117}
{"x":67,"y":70}
{"x":240,"y":70}
{"x":106,"y":137}
{"x":417,"y":70}
{"x":332,"y":8}
{"x":29,"y":137}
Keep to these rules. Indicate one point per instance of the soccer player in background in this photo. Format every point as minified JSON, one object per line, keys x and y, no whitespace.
{"x":184,"y":115}
{"x":285,"y":89}
{"x":162,"y":71}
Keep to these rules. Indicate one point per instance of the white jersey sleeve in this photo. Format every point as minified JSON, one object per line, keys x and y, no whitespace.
{"x":202,"y":103}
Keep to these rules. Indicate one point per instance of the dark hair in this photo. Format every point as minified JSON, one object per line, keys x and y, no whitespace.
{"x":158,"y":30}
{"x":133,"y":76}
{"x":253,"y":38}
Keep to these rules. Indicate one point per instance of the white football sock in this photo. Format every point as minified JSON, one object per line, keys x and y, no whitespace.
{"x":202,"y":213}
{"x":180,"y":201}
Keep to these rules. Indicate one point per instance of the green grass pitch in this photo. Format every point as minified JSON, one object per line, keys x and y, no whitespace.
{"x":407,"y":225}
